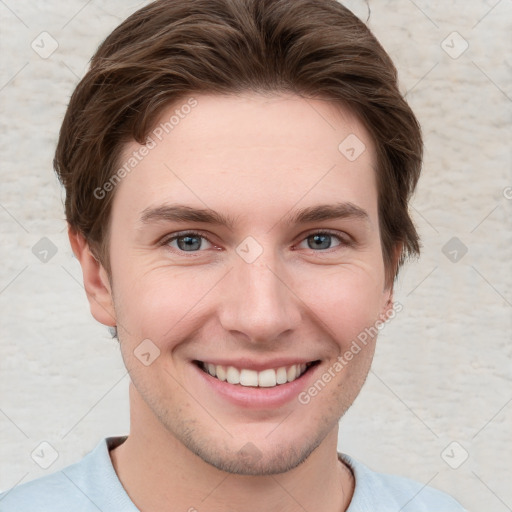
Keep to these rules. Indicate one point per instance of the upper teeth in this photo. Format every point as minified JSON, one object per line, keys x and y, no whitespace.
{"x":265,"y":379}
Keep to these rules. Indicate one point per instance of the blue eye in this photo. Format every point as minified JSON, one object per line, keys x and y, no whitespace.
{"x":191,"y":241}
{"x":188,"y":242}
{"x":322,"y":240}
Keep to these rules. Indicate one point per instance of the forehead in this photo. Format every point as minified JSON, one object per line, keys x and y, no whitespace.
{"x":251,"y":151}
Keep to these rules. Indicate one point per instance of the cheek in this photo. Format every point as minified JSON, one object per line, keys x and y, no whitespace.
{"x":347,"y":301}
{"x":162,"y":304}
{"x":159,"y":303}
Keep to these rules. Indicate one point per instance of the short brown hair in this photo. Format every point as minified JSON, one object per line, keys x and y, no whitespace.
{"x":171,"y":49}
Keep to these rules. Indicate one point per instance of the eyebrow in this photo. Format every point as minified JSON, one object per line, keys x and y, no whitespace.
{"x":317,"y":213}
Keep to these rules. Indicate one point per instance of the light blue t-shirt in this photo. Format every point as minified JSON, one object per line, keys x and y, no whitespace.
{"x":92,"y":485}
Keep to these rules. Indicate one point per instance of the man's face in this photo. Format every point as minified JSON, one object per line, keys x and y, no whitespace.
{"x":267,"y":295}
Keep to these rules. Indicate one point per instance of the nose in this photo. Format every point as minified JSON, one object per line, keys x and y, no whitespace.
{"x":258,"y":301}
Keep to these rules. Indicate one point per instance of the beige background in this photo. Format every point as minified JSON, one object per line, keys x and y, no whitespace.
{"x":443,"y":368}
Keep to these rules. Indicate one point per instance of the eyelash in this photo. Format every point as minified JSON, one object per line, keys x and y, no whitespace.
{"x":167,"y":240}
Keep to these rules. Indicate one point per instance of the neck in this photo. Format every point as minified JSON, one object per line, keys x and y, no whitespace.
{"x":160,"y":474}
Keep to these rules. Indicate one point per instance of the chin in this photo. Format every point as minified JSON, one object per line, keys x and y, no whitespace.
{"x":250,"y":460}
{"x":259,"y":452}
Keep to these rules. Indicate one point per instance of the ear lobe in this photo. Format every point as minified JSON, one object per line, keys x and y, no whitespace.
{"x":397,"y":252}
{"x":96,"y":284}
{"x":389,"y":288}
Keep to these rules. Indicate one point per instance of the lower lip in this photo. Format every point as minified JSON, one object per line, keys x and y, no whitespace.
{"x":256,"y":397}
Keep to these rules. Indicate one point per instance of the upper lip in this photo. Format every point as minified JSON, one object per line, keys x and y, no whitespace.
{"x":252,"y":364}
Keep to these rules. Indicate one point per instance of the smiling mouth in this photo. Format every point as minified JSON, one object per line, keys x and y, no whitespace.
{"x":268,"y":378}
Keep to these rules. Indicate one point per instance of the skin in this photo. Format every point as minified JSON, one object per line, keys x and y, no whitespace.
{"x":256,"y":159}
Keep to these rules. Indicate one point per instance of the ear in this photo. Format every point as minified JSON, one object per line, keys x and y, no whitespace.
{"x":388,"y":289}
{"x":96,"y":283}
